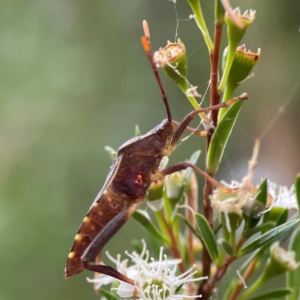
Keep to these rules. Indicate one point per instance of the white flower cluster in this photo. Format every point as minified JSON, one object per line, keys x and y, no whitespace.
{"x":155,"y":280}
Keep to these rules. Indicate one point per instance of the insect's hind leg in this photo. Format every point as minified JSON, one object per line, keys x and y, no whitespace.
{"x":107,"y":270}
{"x":101,"y":239}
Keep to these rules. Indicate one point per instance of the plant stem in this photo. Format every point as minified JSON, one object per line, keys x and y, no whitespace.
{"x":208,"y":189}
{"x":174,"y":246}
{"x":193,"y":203}
{"x":196,"y":8}
{"x":214,"y":74}
{"x":220,"y":272}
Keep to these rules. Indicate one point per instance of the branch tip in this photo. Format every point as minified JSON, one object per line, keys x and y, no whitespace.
{"x":146,"y":29}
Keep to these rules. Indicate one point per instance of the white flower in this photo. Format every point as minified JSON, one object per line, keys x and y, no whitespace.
{"x":233,"y":198}
{"x":285,"y":197}
{"x":285,"y":259}
{"x":155,"y":280}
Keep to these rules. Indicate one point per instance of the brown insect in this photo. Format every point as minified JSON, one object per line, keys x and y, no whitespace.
{"x":133,"y":170}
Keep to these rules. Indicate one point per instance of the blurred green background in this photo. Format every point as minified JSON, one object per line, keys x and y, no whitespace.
{"x":74,"y":78}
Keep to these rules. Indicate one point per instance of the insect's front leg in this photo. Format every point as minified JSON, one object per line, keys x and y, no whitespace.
{"x":182,"y":166}
{"x":195,"y":131}
{"x":186,"y":121}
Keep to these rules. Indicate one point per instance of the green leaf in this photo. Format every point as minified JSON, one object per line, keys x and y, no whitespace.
{"x":108,"y":294}
{"x":137,"y":131}
{"x":219,"y":12}
{"x":260,"y":228}
{"x":179,"y":288}
{"x":112,"y":152}
{"x":137,"y":246}
{"x":193,"y":159}
{"x":293,"y":278}
{"x":267,"y":237}
{"x":220,"y":137}
{"x":227,"y":248}
{"x":297,"y":190}
{"x":263,"y":192}
{"x":209,"y":239}
{"x":261,"y":200}
{"x":187,"y":223}
{"x":283,"y":217}
{"x":287,"y":235}
{"x":139,"y":216}
{"x":275,"y":294}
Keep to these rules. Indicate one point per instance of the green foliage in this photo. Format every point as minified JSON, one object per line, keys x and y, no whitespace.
{"x":208,"y":238}
{"x":148,"y":225}
{"x":267,"y":237}
{"x":294,"y":276}
{"x":221,"y":136}
{"x":297,"y":190}
{"x":275,"y":294}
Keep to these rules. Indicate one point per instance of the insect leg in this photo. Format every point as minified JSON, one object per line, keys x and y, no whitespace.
{"x":107,"y":270}
{"x":195,"y":131}
{"x":184,"y":165}
{"x":101,"y":239}
{"x":186,"y":121}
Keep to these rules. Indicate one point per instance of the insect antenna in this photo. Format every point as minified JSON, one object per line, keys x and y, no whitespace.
{"x":148,"y":49}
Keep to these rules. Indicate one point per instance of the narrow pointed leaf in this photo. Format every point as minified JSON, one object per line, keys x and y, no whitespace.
{"x":260,"y":228}
{"x":261,"y":200}
{"x":187,"y":223}
{"x":263,"y":192}
{"x":297,"y":190}
{"x":227,"y":248}
{"x":220,"y":137}
{"x":208,"y":238}
{"x":148,"y":225}
{"x":137,"y":246}
{"x":267,"y":237}
{"x":287,"y":235}
{"x":293,"y":278}
{"x":283,"y":217}
{"x":193,"y":159}
{"x":137,"y":131}
{"x":108,"y":294}
{"x":275,"y":294}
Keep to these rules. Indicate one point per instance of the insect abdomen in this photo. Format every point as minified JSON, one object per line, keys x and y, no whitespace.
{"x":101,"y":212}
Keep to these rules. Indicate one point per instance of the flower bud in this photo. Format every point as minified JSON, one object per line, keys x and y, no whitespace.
{"x":155,"y":191}
{"x":172,"y":59}
{"x":235,"y":33}
{"x":275,"y":213}
{"x":236,"y":29}
{"x":280,"y":261}
{"x":174,"y":184}
{"x":242,"y":64}
{"x":155,"y":195}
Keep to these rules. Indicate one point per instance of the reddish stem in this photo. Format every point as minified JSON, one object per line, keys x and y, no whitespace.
{"x":248,"y":272}
{"x":174,"y":243}
{"x":208,"y":189}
